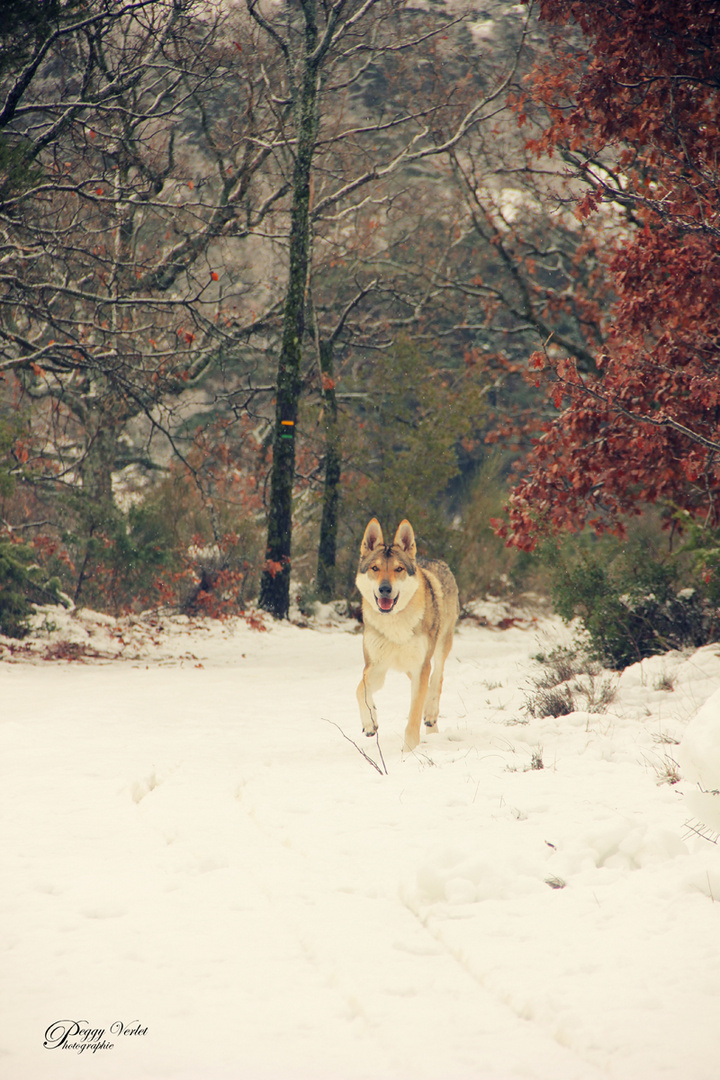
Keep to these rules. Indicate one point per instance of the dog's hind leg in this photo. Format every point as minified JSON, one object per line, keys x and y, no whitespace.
{"x":432,"y":704}
{"x":372,"y":680}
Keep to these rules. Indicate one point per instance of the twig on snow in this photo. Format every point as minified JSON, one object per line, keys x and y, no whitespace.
{"x":701,"y":830}
{"x":377,"y":740}
{"x":383,"y":770}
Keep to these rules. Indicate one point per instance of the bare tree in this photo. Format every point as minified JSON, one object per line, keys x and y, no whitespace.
{"x":174,"y":182}
{"x":134,"y":147}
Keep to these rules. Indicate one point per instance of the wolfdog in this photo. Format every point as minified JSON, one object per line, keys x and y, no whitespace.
{"x":410,"y":607}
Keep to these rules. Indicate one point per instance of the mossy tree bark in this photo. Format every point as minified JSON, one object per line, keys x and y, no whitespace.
{"x":275,"y":583}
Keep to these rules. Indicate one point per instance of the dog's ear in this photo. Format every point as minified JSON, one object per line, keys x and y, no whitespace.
{"x":405,"y":538}
{"x":373,"y":537}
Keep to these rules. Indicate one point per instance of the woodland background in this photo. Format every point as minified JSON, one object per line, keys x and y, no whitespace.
{"x":269,"y":269}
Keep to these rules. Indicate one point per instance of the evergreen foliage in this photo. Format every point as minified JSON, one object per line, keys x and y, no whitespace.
{"x":634,"y":607}
{"x":22,"y":584}
{"x":405,"y":445}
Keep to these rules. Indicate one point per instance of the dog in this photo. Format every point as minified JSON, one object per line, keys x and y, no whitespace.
{"x":410,"y":608}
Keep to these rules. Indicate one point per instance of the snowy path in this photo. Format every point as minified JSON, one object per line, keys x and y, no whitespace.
{"x":195,"y":849}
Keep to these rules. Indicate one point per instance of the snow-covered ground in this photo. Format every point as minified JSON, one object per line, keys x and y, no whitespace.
{"x":203,"y":879}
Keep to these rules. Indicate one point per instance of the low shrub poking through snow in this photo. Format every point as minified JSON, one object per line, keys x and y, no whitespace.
{"x":569,"y":681}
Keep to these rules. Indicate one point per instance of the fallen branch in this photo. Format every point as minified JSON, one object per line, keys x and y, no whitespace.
{"x":383,"y":770}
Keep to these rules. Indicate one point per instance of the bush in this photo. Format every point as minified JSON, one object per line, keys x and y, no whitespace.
{"x":569,"y":681}
{"x":168,"y":543}
{"x":634,"y":607}
{"x":22,"y":584}
{"x":485,"y":564}
{"x":401,"y":461}
{"x":164,"y":550}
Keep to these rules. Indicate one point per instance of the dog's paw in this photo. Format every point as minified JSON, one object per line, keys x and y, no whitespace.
{"x":370,"y":727}
{"x":431,"y":725}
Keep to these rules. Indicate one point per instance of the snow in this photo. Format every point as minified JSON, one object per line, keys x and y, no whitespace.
{"x":194,"y":854}
{"x":699,"y":757}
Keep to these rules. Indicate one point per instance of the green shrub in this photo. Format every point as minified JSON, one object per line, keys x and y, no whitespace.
{"x":402,"y":449}
{"x":22,"y":584}
{"x":701,"y":549}
{"x":484,"y":564}
{"x":634,"y":606}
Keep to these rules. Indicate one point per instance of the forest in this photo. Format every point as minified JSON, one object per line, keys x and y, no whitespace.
{"x":268,"y":269}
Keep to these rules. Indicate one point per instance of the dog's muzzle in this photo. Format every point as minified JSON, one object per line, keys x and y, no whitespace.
{"x":384,"y":598}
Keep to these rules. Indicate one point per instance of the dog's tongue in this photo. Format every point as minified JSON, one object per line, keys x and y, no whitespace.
{"x":385,"y":603}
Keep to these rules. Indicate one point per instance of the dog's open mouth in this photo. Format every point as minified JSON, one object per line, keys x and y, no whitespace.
{"x":386,"y":603}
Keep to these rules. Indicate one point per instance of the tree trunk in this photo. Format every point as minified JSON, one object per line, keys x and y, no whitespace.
{"x":275,"y":583}
{"x":327,"y":547}
{"x":97,"y":494}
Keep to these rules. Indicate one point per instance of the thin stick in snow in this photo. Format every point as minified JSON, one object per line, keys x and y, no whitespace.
{"x":383,"y":770}
{"x":701,"y":830}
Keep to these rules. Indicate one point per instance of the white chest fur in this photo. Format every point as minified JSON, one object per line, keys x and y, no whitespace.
{"x":405,"y":657}
{"x":393,"y":643}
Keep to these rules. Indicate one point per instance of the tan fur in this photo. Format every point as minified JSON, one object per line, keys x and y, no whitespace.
{"x":416,"y":629}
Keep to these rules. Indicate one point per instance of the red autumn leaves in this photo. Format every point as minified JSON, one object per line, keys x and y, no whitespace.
{"x":644,"y":427}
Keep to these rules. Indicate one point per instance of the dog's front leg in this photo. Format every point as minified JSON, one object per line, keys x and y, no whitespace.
{"x":372,"y":680}
{"x":419,"y":685}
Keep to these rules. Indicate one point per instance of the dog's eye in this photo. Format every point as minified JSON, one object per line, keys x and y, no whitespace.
{"x":399,"y":569}
{"x":375,"y":569}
